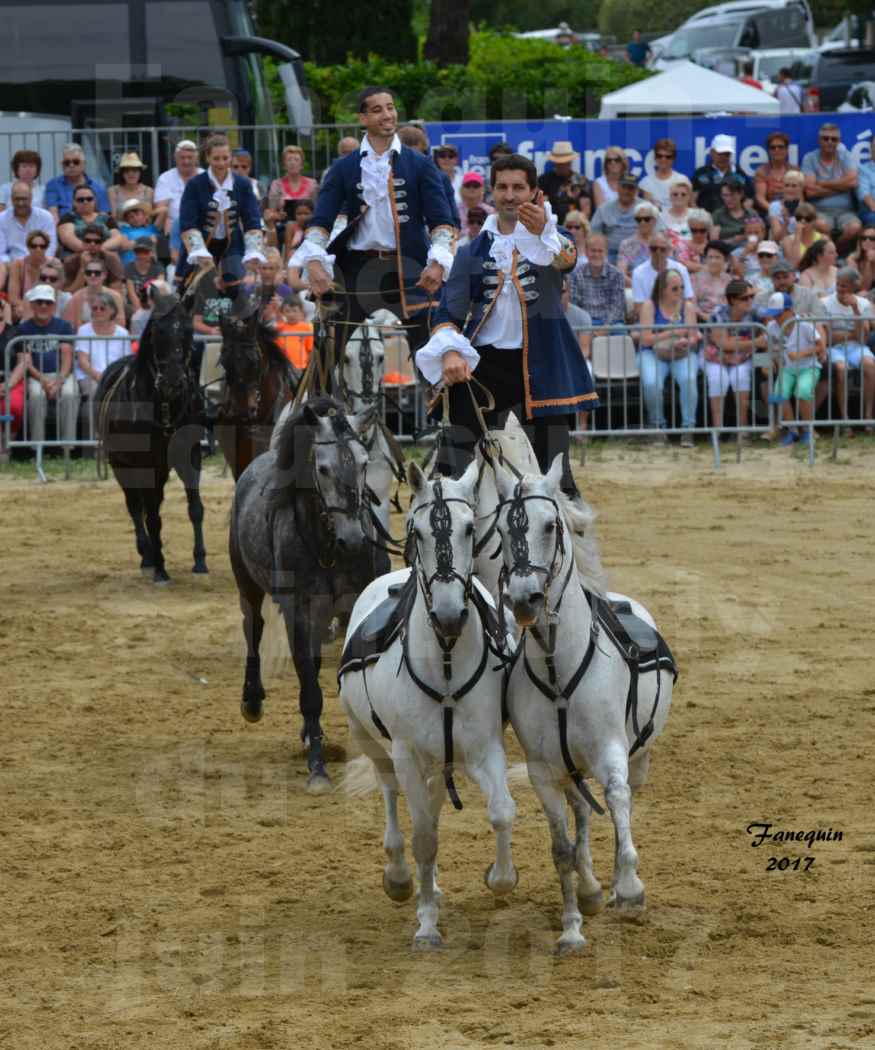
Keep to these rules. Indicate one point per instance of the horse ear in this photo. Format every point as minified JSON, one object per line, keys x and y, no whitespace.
{"x":415,"y":477}
{"x":554,"y":474}
{"x":470,"y":480}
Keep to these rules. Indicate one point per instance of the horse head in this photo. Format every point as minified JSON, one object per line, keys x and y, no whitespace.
{"x":533,"y":538}
{"x":440,"y":524}
{"x":167,"y":343}
{"x":361,"y":368}
{"x":319,"y":450}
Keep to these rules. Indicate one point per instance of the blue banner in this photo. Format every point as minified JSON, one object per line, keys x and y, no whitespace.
{"x":692,"y":136}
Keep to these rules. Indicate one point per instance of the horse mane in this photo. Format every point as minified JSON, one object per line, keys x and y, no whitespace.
{"x":578,"y":514}
{"x":294,"y":445}
{"x":272,"y":350}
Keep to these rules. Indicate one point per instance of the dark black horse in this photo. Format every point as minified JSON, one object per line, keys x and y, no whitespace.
{"x":259,"y":380}
{"x":298,"y":533}
{"x":149,"y":413}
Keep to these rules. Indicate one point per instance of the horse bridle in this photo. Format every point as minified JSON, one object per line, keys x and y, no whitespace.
{"x":517,"y":529}
{"x":251,"y":414}
{"x":355,"y":506}
{"x":155,"y":367}
{"x":368,"y":393}
{"x":441,"y":531}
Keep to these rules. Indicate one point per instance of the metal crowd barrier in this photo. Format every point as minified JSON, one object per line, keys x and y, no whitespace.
{"x":104,"y":147}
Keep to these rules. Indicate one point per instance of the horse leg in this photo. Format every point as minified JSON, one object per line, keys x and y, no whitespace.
{"x":134,"y":501}
{"x":553,"y":801}
{"x":397,"y":881}
{"x":425,"y":843}
{"x":196,"y":510}
{"x":253,"y":626}
{"x":589,"y":889}
{"x":152,"y":499}
{"x":491,"y":776}
{"x":304,"y":643}
{"x":612,"y":772}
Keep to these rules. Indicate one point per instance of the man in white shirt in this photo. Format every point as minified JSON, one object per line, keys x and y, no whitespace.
{"x":501,"y":320}
{"x":171,"y":186}
{"x":396,"y":250}
{"x":17,"y":222}
{"x":644,"y":275}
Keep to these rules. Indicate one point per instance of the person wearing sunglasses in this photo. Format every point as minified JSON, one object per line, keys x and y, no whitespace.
{"x":102,"y":341}
{"x":830,"y":180}
{"x":606,"y":187}
{"x":635,"y":250}
{"x":476,"y":217}
{"x":84,"y":213}
{"x":708,"y":180}
{"x":61,"y":189}
{"x":768,"y":179}
{"x":577,"y":225}
{"x":661,"y":259}
{"x":24,"y":273}
{"x":17,"y":224}
{"x":95,"y":274}
{"x":863,"y":259}
{"x":657,"y":186}
{"x":805,"y":233}
{"x":94,"y":251}
{"x":446,"y":157}
{"x":677,"y":218}
{"x":782,"y":211}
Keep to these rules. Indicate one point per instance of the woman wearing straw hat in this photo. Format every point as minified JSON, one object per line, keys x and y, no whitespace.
{"x":564,"y":188}
{"x":128,"y":185}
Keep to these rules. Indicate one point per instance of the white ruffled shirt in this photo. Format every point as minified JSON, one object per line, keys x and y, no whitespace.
{"x":503,"y":328}
{"x":376,"y":228}
{"x":222,"y":197}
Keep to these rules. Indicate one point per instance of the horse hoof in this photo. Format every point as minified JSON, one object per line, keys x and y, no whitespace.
{"x":627,"y":907}
{"x":500,"y":887}
{"x":397,"y":891}
{"x":318,"y":782}
{"x":592,"y":904}
{"x":251,"y":710}
{"x":200,"y":568}
{"x":427,"y":942}
{"x":569,"y":945}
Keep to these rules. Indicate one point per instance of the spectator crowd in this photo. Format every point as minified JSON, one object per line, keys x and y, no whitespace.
{"x":675,"y":256}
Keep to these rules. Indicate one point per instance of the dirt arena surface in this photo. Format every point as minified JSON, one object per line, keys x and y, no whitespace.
{"x":168,"y":885}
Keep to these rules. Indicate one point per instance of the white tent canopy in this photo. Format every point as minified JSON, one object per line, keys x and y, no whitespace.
{"x":687,"y":88}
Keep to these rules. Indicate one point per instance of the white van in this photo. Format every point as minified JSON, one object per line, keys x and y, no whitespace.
{"x":751,"y":24}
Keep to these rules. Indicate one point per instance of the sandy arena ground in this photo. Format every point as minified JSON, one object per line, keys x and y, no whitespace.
{"x":166,"y":882}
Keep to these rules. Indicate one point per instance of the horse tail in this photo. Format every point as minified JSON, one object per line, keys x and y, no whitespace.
{"x":275,"y":656}
{"x":359,"y":778}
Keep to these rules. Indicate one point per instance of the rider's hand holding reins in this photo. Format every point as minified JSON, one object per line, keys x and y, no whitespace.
{"x":431,"y":278}
{"x":320,"y":283}
{"x":455,"y":368}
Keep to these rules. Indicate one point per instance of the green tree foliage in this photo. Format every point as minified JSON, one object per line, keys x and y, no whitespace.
{"x":326,"y":33}
{"x":523,"y":15}
{"x":621,"y":17}
{"x":505,"y":78}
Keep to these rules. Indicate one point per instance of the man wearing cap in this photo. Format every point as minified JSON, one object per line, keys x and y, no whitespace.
{"x":616,"y":218}
{"x":708,"y":179}
{"x":501,"y":320}
{"x":473,"y":195}
{"x":562,"y":186}
{"x":396,"y":250}
{"x":142,"y":271}
{"x":830,"y":179}
{"x":170,"y":187}
{"x":49,"y":364}
{"x":136,"y":224}
{"x":806,"y":301}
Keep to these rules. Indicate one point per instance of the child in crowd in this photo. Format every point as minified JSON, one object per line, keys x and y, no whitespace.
{"x":800,"y":367}
{"x":294,"y":334}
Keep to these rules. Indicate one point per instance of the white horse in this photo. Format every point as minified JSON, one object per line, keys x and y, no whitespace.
{"x":360,"y":373}
{"x":433,"y":695}
{"x":577,"y":705}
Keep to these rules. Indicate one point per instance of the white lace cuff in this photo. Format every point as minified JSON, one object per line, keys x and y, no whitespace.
{"x":440,"y":253}
{"x":310,"y":249}
{"x":254,"y":242}
{"x":430,"y":358}
{"x":195,"y":247}
{"x":540,"y":250}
